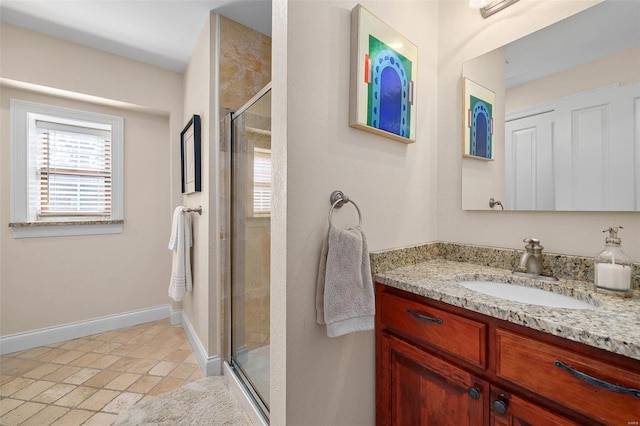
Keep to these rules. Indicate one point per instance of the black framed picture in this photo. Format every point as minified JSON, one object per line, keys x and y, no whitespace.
{"x":190,"y":156}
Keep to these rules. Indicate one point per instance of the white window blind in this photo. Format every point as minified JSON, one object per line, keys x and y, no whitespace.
{"x":261,"y":181}
{"x":74,"y":167}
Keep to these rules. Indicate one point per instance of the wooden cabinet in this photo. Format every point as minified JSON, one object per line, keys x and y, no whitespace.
{"x":438,"y":364}
{"x":425,"y":390}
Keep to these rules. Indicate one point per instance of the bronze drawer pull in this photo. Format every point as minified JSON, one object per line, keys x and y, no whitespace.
{"x":423,"y":317}
{"x":597,"y":382}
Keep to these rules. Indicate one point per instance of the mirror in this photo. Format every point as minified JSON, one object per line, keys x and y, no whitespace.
{"x":566,"y":130}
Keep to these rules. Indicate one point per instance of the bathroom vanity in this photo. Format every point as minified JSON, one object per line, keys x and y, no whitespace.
{"x":447,"y":355}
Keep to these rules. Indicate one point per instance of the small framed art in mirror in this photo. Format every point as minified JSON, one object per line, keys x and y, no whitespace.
{"x":477,"y":118}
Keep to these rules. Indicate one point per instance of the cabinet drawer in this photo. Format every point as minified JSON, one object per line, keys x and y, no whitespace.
{"x":573,"y":380}
{"x":459,"y":336}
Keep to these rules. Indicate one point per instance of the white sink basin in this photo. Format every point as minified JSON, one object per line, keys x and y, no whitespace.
{"x":528,"y":295}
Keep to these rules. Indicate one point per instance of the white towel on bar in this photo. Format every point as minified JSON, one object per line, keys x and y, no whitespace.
{"x":345,"y":300}
{"x":180,"y":243}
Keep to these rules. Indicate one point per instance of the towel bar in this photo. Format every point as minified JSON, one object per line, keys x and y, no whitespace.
{"x":338,"y":199}
{"x":194,"y":210}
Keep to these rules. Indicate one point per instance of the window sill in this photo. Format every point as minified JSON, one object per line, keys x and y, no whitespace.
{"x":66,"y":228}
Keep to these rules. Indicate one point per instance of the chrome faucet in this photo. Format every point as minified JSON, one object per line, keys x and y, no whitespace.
{"x":531,"y":260}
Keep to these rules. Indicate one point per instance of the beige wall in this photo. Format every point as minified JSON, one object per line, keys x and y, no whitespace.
{"x":199,"y":95}
{"x":622,"y":67}
{"x":229,"y":64}
{"x":315,"y":379}
{"x":279,"y":262}
{"x":464,"y":36}
{"x":46,"y":282}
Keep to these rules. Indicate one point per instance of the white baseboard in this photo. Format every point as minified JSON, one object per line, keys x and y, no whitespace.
{"x":210,"y":365}
{"x":46,"y":336}
{"x":175,"y":315}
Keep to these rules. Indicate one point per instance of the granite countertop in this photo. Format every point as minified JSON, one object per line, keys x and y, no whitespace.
{"x":614,"y":325}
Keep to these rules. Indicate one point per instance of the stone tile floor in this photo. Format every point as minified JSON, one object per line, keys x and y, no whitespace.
{"x":88,"y":381}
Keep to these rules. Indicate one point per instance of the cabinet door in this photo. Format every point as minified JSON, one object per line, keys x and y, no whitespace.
{"x":416,"y":388}
{"x":511,"y":410}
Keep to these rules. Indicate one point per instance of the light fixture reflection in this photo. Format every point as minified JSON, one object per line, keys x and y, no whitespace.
{"x":489,"y":7}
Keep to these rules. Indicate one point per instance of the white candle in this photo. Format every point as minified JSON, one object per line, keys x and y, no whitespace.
{"x":610,"y":275}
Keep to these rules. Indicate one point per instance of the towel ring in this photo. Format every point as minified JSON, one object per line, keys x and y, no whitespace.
{"x":338,"y":199}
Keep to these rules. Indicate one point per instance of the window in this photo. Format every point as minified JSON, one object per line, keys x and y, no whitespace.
{"x":73,"y":170}
{"x":261,"y":181}
{"x":66,"y":171}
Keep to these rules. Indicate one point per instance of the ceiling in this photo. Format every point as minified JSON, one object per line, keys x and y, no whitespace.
{"x":158,"y":32}
{"x":164,"y":32}
{"x":599,"y":31}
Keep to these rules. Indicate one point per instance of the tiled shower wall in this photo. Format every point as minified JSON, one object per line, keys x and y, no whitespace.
{"x":245,"y":63}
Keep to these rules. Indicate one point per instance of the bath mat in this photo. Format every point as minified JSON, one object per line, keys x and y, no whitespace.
{"x":205,"y":402}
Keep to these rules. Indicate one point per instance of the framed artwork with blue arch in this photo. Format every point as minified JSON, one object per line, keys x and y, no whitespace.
{"x":477,"y":120}
{"x":383,"y":73}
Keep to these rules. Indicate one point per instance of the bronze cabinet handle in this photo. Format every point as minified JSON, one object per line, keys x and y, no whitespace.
{"x":597,"y":382}
{"x":424,"y":317}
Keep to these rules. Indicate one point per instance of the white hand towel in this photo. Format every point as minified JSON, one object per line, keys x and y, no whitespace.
{"x":180,"y":243}
{"x":345,"y":300}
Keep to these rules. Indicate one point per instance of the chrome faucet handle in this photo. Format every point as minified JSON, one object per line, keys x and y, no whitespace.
{"x":533,"y":244}
{"x":529,"y":243}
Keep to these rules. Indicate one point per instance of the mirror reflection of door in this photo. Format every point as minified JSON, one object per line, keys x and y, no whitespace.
{"x":596,"y":161}
{"x":529,"y":159}
{"x":570,"y":156}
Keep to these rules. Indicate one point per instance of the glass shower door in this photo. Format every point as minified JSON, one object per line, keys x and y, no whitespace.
{"x":250,"y":244}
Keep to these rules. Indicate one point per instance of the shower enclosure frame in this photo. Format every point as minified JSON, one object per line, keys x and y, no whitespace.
{"x":226,"y":237}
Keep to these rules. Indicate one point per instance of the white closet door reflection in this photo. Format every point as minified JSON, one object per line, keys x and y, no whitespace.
{"x":580,"y":152}
{"x":529,"y":165}
{"x":250,"y":245}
